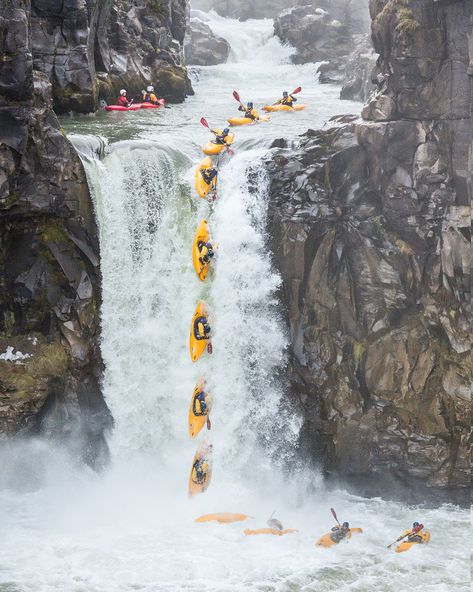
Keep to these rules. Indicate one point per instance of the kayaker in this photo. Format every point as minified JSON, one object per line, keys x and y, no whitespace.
{"x":208,"y":175}
{"x":250,"y":111}
{"x":206,"y":252}
{"x":122,"y":100}
{"x":286,"y":99}
{"x":202,"y":328}
{"x":149,"y":96}
{"x":199,"y":471}
{"x":338,"y":533}
{"x":200,"y":406}
{"x":221,"y":138}
{"x":275,"y":523}
{"x":414,"y":535}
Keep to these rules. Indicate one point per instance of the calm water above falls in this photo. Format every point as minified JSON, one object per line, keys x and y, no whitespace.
{"x":67,"y":529}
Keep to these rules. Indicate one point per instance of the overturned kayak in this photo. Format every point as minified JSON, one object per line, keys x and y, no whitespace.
{"x":214,"y":148}
{"x":273,"y":531}
{"x":326,"y":539}
{"x":202,"y":235}
{"x":272,"y":108}
{"x":203,"y":188}
{"x":121,"y":108}
{"x":247,"y":120}
{"x":195,"y":486}
{"x":197,"y":420}
{"x":223,"y":517}
{"x":406,"y":545}
{"x":198,"y":346}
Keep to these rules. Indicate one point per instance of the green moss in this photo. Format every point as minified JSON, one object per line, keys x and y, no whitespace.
{"x":406,"y":22}
{"x":53,"y":232}
{"x":158,"y":7}
{"x":358,"y":351}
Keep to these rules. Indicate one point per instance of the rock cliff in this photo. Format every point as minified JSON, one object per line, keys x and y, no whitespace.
{"x":50,"y":364}
{"x":91,"y":49}
{"x":202,"y":47}
{"x":370,"y":224}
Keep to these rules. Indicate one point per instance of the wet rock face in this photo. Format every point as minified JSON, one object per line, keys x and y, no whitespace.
{"x":244,"y":9}
{"x":371,"y":231}
{"x":95,"y":48}
{"x":49,"y":265}
{"x":203,"y":47}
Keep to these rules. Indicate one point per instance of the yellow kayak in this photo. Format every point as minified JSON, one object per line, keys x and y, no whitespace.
{"x":406,"y":545}
{"x":197,"y":422}
{"x":202,"y":234}
{"x":247,"y":120}
{"x":326,"y":540}
{"x":271,"y":108}
{"x":274,"y":531}
{"x":223,"y":517}
{"x":213,"y":148}
{"x":195,"y":487}
{"x":197,"y":346}
{"x":201,"y":186}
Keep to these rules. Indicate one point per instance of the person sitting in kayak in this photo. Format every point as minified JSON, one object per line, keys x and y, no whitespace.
{"x":340,"y":532}
{"x":199,"y":471}
{"x":149,"y":96}
{"x":274,"y":523}
{"x":415,"y":536}
{"x":199,"y":405}
{"x":206,"y":252}
{"x":250,"y":111}
{"x":286,"y":99}
{"x":202,"y":328}
{"x":221,"y":138}
{"x":122,"y":100}
{"x":208,"y":175}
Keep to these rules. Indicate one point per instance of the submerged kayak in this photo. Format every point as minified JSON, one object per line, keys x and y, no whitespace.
{"x":247,"y":120}
{"x":197,"y":422}
{"x":213,"y":148}
{"x":195,"y":487}
{"x":197,"y":346}
{"x":271,"y":108}
{"x":121,"y":108}
{"x":202,"y":234}
{"x":223,"y":517}
{"x":273,"y":531}
{"x":326,"y":539}
{"x":406,"y":545}
{"x":201,"y":186}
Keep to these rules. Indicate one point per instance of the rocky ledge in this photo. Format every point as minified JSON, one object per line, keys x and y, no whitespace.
{"x":203,"y":47}
{"x":50,"y":363}
{"x":370,"y":226}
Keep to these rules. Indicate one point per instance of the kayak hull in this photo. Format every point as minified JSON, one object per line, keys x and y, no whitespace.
{"x":273,"y":108}
{"x":157,"y":105}
{"x":202,"y":234}
{"x":198,"y":346}
{"x":121,"y":108}
{"x":273,"y":531}
{"x":201,"y":186}
{"x":197,"y":422}
{"x":326,"y":540}
{"x":246,"y":120}
{"x":211,"y":148}
{"x":223,"y":517}
{"x":196,"y":488}
{"x":406,"y":545}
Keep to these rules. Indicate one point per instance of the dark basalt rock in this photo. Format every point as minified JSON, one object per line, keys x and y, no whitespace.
{"x":49,"y":267}
{"x":202,"y":47}
{"x":370,"y":227}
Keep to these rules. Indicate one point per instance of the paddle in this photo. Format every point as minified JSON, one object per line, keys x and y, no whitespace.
{"x":413,"y":531}
{"x":209,"y":347}
{"x":209,"y":425}
{"x":205,"y":123}
{"x":294,"y":92}
{"x":334,"y":514}
{"x":236,"y":96}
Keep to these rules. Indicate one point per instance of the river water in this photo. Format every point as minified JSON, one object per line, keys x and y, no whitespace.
{"x":66,"y":529}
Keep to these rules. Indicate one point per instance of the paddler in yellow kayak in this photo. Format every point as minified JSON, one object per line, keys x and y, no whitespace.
{"x":209,"y":176}
{"x":202,"y":329}
{"x":200,"y":406}
{"x":200,"y":468}
{"x":413,"y":535}
{"x":338,"y":533}
{"x":249,"y":111}
{"x":206,"y":252}
{"x":287,"y":99}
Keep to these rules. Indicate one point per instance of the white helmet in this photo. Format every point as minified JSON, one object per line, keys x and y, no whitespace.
{"x":150,"y":88}
{"x":123,"y":91}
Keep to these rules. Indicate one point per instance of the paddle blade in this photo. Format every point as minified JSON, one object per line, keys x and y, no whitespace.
{"x":209,"y":347}
{"x":236,"y":96}
{"x":334,"y":514}
{"x":230,"y":151}
{"x":296,"y":90}
{"x":203,"y":121}
{"x":209,"y":425}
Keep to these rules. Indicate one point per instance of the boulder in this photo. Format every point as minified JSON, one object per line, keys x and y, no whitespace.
{"x":202,"y":47}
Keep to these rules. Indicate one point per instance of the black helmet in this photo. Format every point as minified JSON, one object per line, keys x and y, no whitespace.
{"x":415,"y":525}
{"x":346,"y":525}
{"x":207,"y":329}
{"x":226,"y":131}
{"x":284,"y":94}
{"x":210,"y":251}
{"x":250,"y":105}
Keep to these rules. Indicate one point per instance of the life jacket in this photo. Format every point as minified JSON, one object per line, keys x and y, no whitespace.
{"x":123,"y":101}
{"x":200,"y":401}
{"x":252,"y":114}
{"x":199,"y":471}
{"x":208,"y":175}
{"x":338,"y":534}
{"x":288,"y":101}
{"x":149,"y":98}
{"x":221,"y":139}
{"x":202,"y":321}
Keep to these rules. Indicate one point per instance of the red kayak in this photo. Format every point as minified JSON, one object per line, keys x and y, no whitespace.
{"x":160,"y":103}
{"x":120,"y":108}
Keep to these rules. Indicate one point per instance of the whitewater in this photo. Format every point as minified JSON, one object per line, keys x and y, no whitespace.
{"x":130,"y":528}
